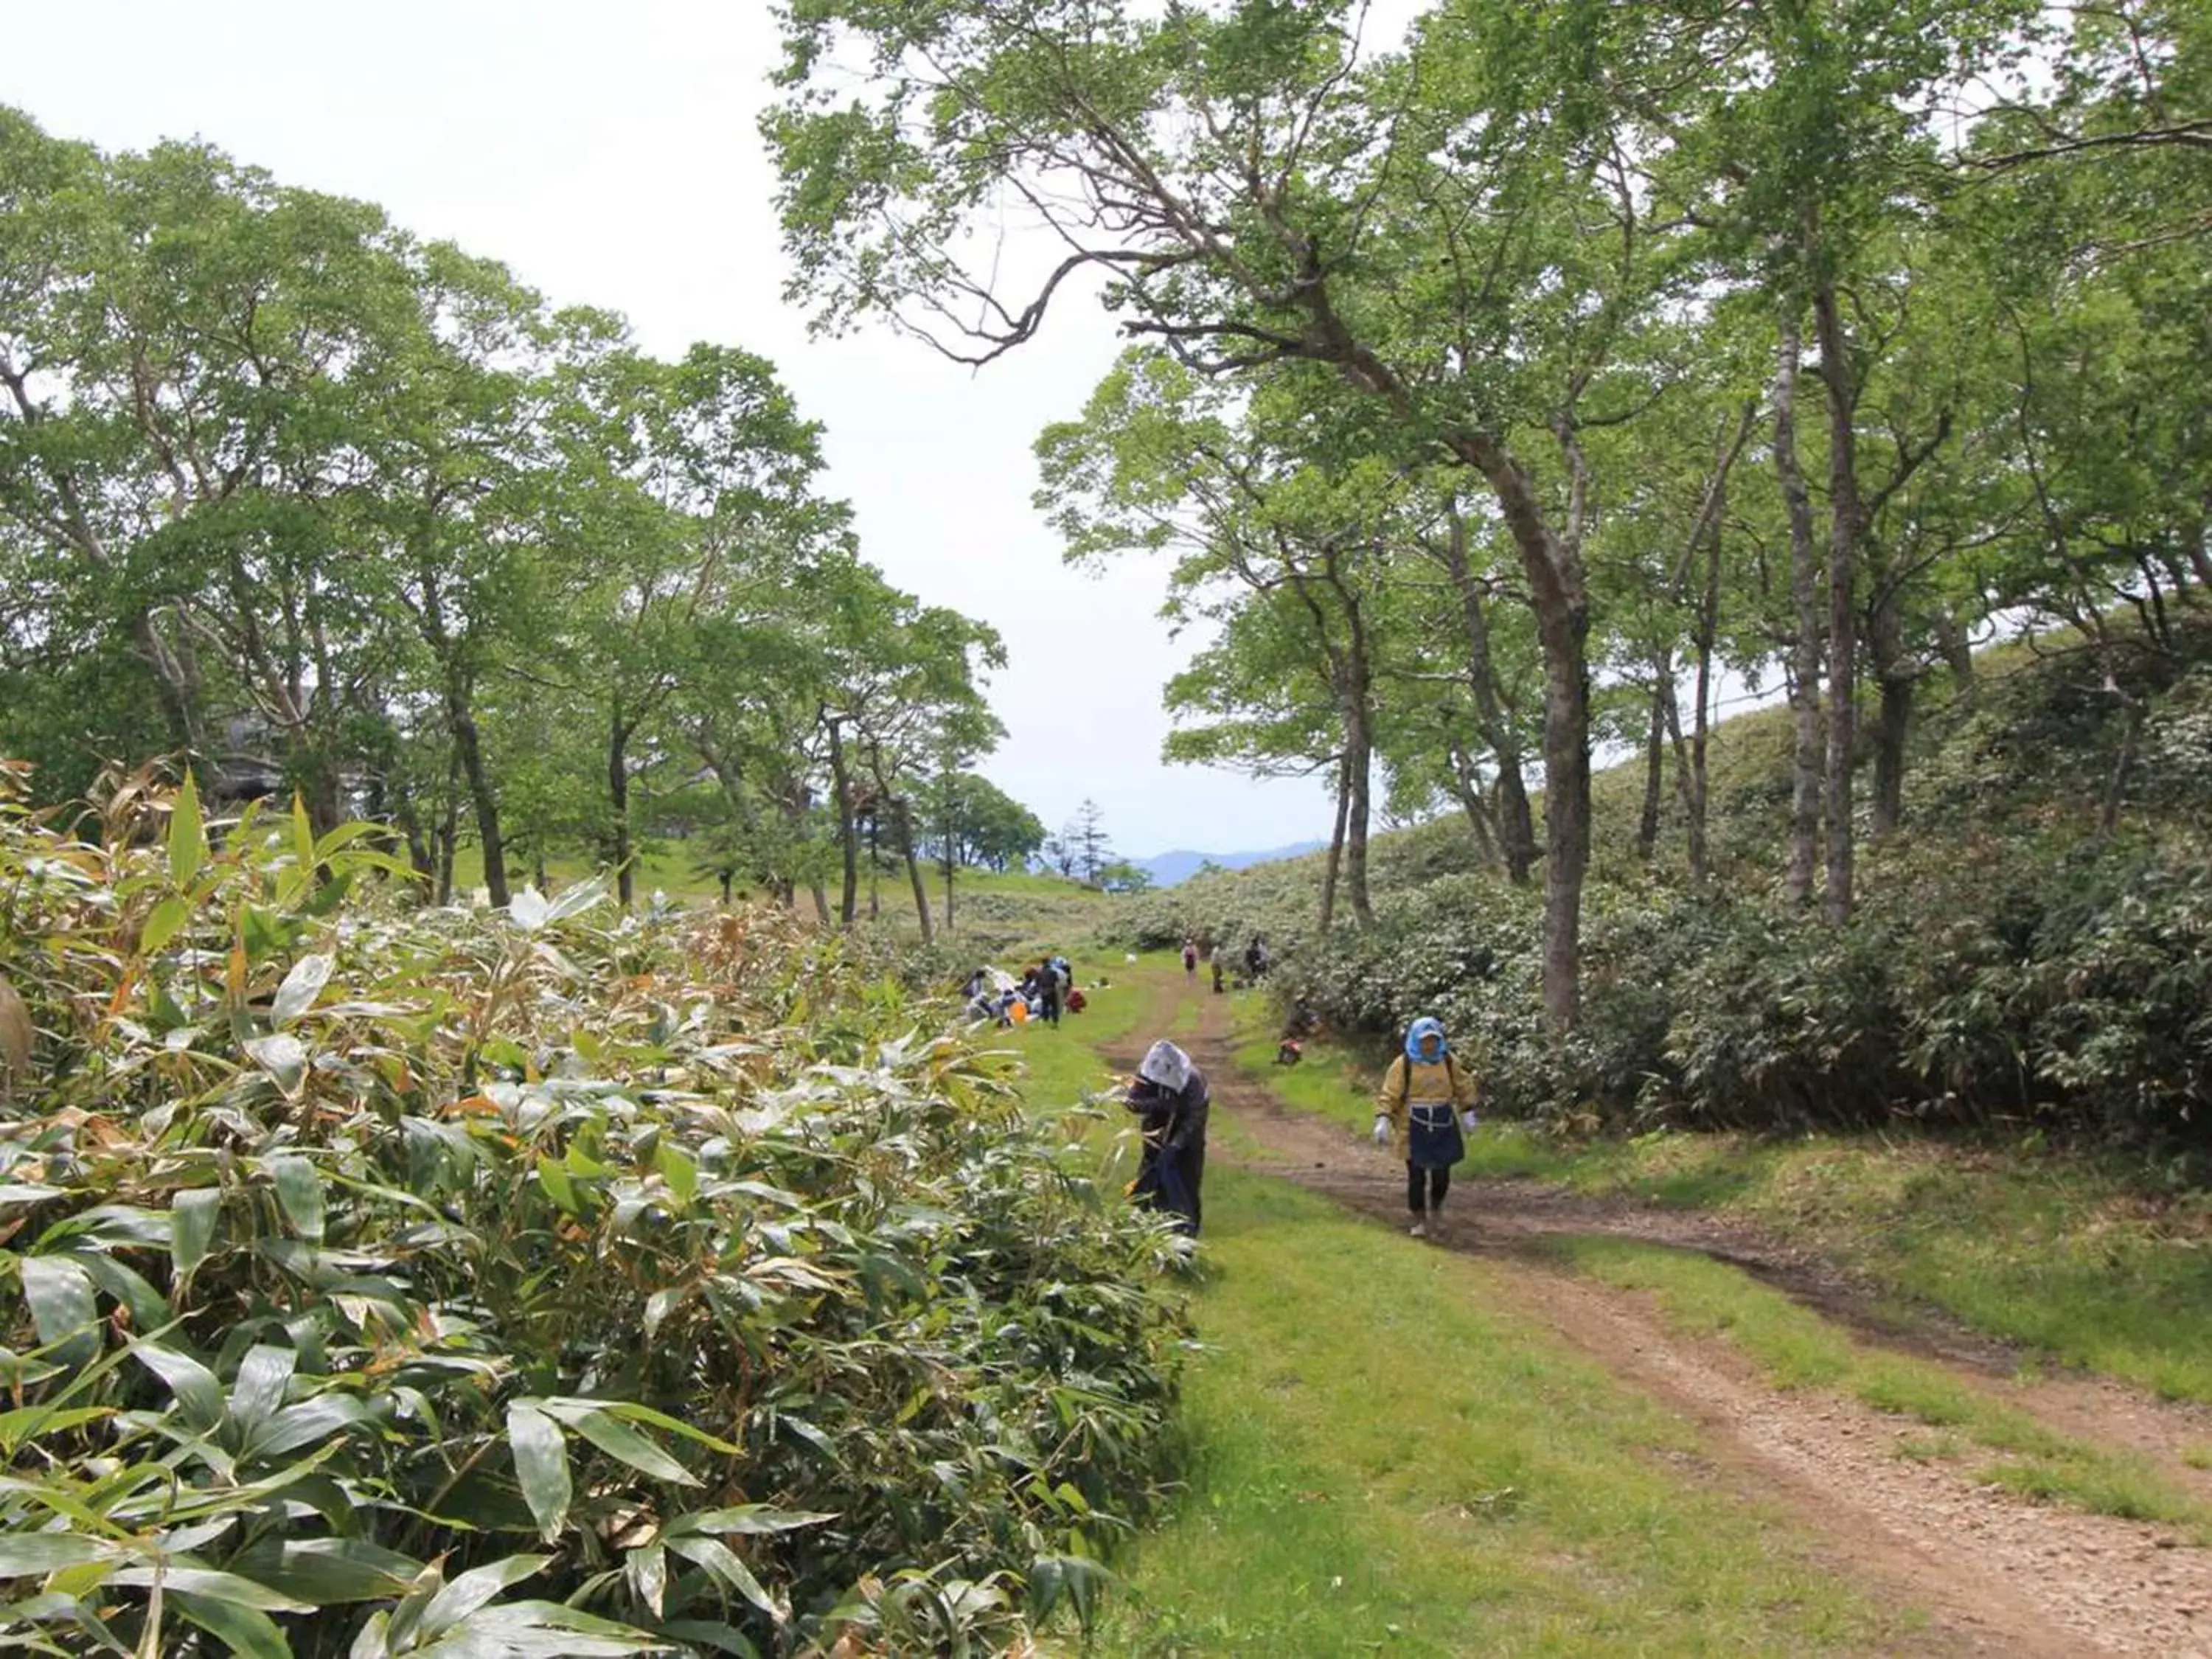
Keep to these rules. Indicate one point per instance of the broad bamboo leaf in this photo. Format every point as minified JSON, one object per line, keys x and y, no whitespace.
{"x":455,"y":1601}
{"x":645,"y":1569}
{"x":25,"y":1553}
{"x":301,"y":987}
{"x":187,"y":835}
{"x":553,"y":1176}
{"x":541,"y":1467}
{"x":719,"y":1558}
{"x":709,"y":1633}
{"x":194,"y":1213}
{"x":149,"y":1308}
{"x":680,"y":1170}
{"x":309,"y":1422}
{"x":618,"y":1439}
{"x":576,"y":899}
{"x":528,"y":909}
{"x":630,"y":1411}
{"x":539,"y":1629}
{"x":163,"y":923}
{"x":303,"y":836}
{"x":194,"y":1580}
{"x":241,"y":1629}
{"x":327,"y":1571}
{"x":283,"y":1058}
{"x":258,"y":1388}
{"x":197,"y":1392}
{"x":116,"y":1223}
{"x":64,"y":1307}
{"x":748,"y":1518}
{"x":300,"y":1191}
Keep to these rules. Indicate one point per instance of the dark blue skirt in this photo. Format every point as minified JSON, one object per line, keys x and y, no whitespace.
{"x":1432,"y":1137}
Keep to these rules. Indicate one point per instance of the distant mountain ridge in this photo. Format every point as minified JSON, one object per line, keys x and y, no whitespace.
{"x":1167,"y":869}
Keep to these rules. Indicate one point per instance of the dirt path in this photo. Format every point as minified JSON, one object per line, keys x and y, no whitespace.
{"x":1997,"y":1575}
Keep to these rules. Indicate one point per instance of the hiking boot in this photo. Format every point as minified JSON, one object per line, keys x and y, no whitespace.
{"x":1420,"y":1228}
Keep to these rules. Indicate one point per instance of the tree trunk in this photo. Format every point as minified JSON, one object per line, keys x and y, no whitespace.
{"x":1329,"y":872}
{"x":1709,"y":625}
{"x":1655,"y":754}
{"x":1558,"y":595}
{"x":1892,"y":725}
{"x":849,"y":833}
{"x":1843,"y":534}
{"x":1806,"y":648}
{"x":1516,"y":828}
{"x":1959,"y":657}
{"x":2193,"y":544}
{"x":903,"y":824}
{"x":2108,"y":813}
{"x":467,"y":744}
{"x":449,"y":827}
{"x":1894,"y":674}
{"x":618,"y":805}
{"x":1358,"y":759}
{"x":176,"y":682}
{"x":1480,"y":819}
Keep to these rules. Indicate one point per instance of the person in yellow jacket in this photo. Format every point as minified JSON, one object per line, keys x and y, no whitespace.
{"x":1426,"y":1106}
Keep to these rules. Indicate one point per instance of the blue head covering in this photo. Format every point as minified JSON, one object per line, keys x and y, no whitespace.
{"x":1419,"y":1033}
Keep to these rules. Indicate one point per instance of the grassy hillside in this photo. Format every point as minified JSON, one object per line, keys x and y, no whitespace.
{"x":2014,"y":966}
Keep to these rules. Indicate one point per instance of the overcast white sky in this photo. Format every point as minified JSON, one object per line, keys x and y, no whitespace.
{"x":608,"y":156}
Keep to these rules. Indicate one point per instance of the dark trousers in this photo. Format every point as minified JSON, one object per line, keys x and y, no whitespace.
{"x":1048,"y":1007}
{"x":1435,"y":1183}
{"x":1169,"y":1179}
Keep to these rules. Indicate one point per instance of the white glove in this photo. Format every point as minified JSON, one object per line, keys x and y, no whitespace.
{"x":1382,"y":1132}
{"x":1466,"y":1120}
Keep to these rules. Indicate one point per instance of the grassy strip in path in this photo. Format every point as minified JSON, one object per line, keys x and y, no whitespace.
{"x":1794,"y":1347}
{"x":1381,"y":1463}
{"x":2045,"y":1250}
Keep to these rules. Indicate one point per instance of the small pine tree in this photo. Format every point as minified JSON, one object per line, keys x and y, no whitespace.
{"x":1086,"y":838}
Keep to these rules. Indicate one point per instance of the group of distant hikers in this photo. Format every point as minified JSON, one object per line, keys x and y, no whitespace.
{"x":1046,"y":987}
{"x":1425,"y":1110}
{"x":1256,"y":961}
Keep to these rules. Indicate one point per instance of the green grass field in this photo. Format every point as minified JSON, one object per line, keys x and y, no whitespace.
{"x":1382,"y":1464}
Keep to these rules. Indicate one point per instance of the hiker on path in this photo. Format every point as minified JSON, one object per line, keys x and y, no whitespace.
{"x":1169,"y":1094}
{"x":1050,"y":985}
{"x":1426,"y":1107}
{"x":1190,"y":958}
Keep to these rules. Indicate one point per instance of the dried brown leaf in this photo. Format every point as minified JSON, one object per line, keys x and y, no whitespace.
{"x":15,"y":1032}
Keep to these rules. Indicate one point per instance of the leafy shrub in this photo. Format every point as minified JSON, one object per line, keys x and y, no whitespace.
{"x":2009,"y":966}
{"x":419,"y":1282}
